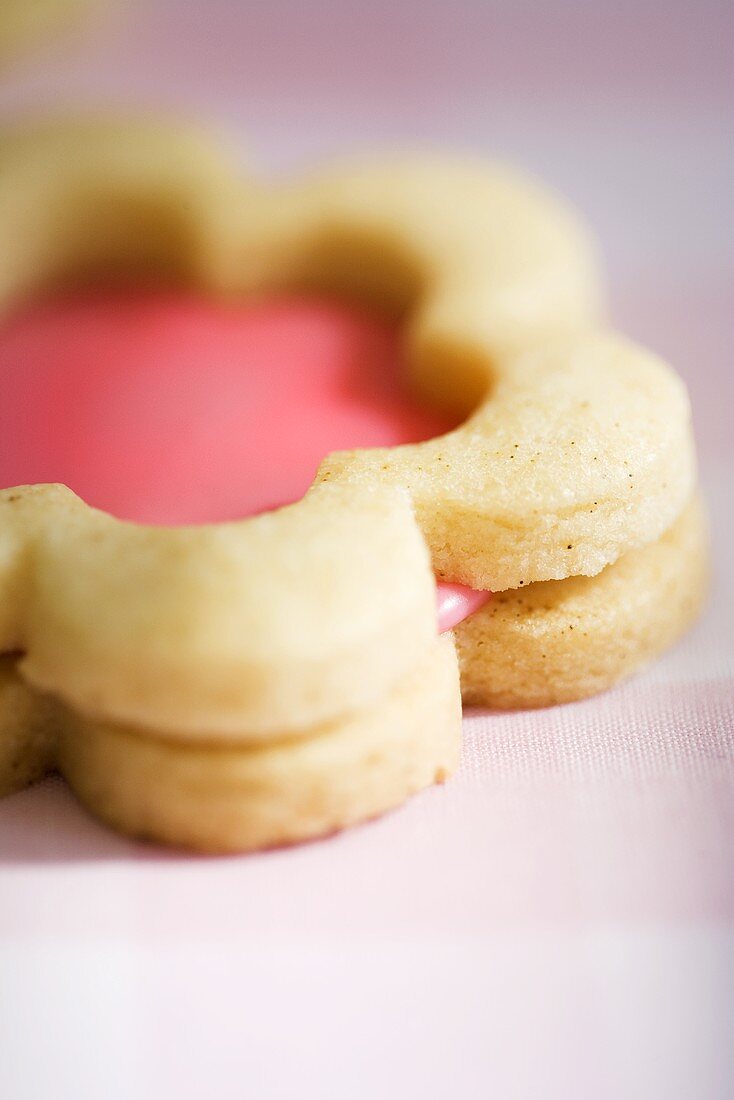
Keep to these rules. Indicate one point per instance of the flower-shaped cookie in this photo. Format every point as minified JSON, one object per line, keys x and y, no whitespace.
{"x":244,"y":684}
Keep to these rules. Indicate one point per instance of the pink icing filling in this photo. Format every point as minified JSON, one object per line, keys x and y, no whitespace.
{"x":170,"y":408}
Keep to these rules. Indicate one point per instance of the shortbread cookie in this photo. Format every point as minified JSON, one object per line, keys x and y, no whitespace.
{"x":556,"y":641}
{"x":218,"y":798}
{"x":251,"y":683}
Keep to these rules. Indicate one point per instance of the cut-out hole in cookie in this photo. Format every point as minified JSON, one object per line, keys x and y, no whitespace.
{"x":168,"y":407}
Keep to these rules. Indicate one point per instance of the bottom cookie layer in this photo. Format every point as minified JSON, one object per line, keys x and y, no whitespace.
{"x":224,"y":799}
{"x":556,"y":641}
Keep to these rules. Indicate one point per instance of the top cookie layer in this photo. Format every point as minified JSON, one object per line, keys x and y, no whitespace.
{"x":581,"y":452}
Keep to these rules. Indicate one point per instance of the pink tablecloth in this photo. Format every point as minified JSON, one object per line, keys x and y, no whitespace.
{"x":557,"y":921}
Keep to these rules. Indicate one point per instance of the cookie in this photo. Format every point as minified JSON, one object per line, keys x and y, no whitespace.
{"x":244,"y":684}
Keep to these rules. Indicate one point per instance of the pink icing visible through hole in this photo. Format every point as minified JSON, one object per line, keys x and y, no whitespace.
{"x":172,"y":408}
{"x":456,"y":602}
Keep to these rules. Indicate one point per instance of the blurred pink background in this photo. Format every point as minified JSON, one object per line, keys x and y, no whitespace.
{"x":556,"y":922}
